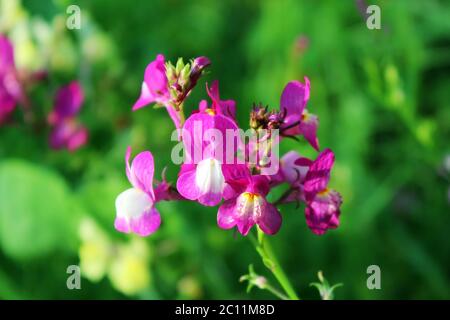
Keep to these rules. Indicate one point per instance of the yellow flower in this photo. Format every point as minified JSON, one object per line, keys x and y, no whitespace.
{"x":129,"y":272}
{"x":126,"y":265}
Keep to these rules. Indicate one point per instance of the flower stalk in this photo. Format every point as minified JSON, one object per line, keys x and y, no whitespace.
{"x":269,"y":259}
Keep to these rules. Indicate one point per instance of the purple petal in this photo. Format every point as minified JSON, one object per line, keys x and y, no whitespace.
{"x":293,"y":101}
{"x":308,"y":128}
{"x":78,"y":138}
{"x":155,"y":76}
{"x":200,"y":63}
{"x":68,"y":101}
{"x":68,"y":134}
{"x":148,"y":223}
{"x":259,"y":184}
{"x":223,"y":107}
{"x":318,"y":174}
{"x":244,"y":224}
{"x":175,"y":116}
{"x":322,"y":213}
{"x":145,"y":98}
{"x":204,"y":136}
{"x":210,"y":199}
{"x":270,"y":219}
{"x":226,"y":215}
{"x":155,"y":85}
{"x":140,"y":173}
{"x":248,"y":207}
{"x":6,"y":55}
{"x":237,"y":177}
{"x":186,"y":185}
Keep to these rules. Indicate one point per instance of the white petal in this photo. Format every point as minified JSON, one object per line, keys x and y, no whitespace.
{"x":209,"y":177}
{"x":132,"y":203}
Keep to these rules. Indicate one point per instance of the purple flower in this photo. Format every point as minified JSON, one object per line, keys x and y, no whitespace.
{"x":201,"y":176}
{"x":11,"y":91}
{"x":322,"y":212}
{"x":68,"y":102}
{"x":318,"y":174}
{"x":246,"y":203}
{"x":322,"y":204}
{"x":135,"y":211}
{"x":293,"y":100}
{"x":67,"y":132}
{"x":155,"y":85}
{"x":169,"y":86}
{"x":297,"y":120}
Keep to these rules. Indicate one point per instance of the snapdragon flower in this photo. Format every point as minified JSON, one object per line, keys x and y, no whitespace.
{"x":246,"y":203}
{"x":322,"y":204}
{"x":201,"y":177}
{"x":297,"y":120}
{"x":135,"y":210}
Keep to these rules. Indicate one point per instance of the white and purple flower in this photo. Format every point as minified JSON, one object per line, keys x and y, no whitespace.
{"x":135,"y":207}
{"x":201,"y":177}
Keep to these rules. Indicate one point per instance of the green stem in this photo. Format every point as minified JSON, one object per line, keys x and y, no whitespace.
{"x":269,"y":259}
{"x":276,"y":293}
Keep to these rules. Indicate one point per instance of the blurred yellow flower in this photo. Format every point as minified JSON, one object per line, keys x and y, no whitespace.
{"x":95,"y":251}
{"x":125,"y":264}
{"x":129,"y":271}
{"x":11,"y":13}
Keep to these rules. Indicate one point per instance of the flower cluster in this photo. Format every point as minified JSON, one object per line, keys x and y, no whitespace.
{"x":221,"y":171}
{"x":66,"y":131}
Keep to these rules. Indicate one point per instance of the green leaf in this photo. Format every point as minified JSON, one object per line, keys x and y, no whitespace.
{"x":37,"y":212}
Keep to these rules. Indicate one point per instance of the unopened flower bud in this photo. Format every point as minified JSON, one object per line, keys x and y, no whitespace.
{"x":199,"y":64}
{"x":260,"y":282}
{"x":179,"y":66}
{"x":183,"y":78}
{"x":170,"y":73}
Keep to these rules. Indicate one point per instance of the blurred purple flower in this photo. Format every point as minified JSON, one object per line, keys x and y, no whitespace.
{"x":11,"y":91}
{"x":68,"y":102}
{"x":67,"y":132}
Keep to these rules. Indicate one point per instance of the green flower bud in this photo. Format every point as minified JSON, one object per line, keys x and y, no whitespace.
{"x":180,"y":66}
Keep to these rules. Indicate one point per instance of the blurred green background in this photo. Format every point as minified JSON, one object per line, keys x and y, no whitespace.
{"x":382,"y":97}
